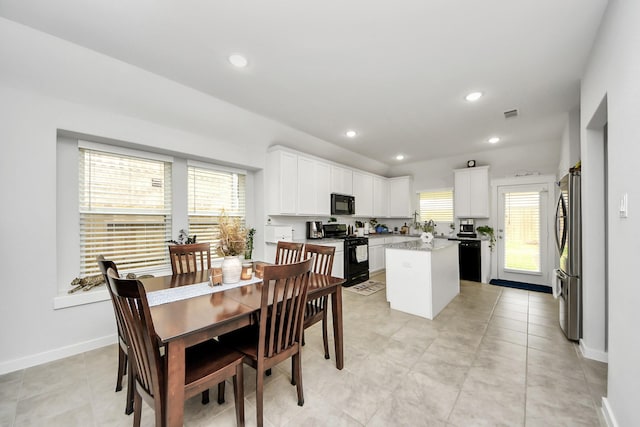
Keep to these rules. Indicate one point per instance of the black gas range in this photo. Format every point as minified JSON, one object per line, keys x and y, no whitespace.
{"x":356,"y":253}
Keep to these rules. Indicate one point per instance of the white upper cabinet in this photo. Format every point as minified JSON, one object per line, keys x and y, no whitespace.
{"x":341,"y":180}
{"x":300,"y":184}
{"x":363,"y":193}
{"x":471,"y":192}
{"x":282,"y":183}
{"x":314,"y":197}
{"x":400,"y":197}
{"x":322,"y":173}
{"x":380,"y":197}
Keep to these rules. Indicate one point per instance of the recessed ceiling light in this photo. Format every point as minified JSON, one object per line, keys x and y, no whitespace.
{"x":400,"y":157}
{"x":351,"y":133}
{"x":238,"y":60}
{"x":473,"y":96}
{"x":494,"y":140}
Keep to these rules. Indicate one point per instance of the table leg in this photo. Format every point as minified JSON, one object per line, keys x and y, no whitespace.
{"x":174,"y":399}
{"x":336,"y":309}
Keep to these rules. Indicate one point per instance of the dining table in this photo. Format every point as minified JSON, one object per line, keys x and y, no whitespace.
{"x":182,"y":323}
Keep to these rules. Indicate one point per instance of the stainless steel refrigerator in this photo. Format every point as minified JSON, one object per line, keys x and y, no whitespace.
{"x":569,"y":243}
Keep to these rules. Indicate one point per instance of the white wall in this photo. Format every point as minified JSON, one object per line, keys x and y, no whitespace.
{"x":47,"y":85}
{"x":570,"y":143}
{"x":504,"y":162}
{"x":612,"y":72}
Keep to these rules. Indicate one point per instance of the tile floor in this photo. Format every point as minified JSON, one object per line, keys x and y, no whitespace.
{"x":494,"y":357}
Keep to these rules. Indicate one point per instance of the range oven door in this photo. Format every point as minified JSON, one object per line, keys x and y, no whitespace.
{"x":356,"y":261}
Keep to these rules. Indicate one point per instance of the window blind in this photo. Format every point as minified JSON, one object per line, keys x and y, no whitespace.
{"x":125,"y":211}
{"x":210,"y":191}
{"x":522,"y":231}
{"x":436,"y":205}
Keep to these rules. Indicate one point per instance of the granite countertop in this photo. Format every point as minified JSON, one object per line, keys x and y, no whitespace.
{"x":419,"y":245}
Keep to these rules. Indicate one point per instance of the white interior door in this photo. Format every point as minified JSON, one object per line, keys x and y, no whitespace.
{"x":522,"y":233}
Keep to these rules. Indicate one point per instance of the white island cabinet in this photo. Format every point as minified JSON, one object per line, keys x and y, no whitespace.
{"x":422,"y":278}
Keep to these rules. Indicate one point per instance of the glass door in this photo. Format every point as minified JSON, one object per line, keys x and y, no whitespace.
{"x":522,"y":232}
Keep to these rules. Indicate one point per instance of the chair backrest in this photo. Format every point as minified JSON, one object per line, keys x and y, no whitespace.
{"x":187,"y":258}
{"x":282,"y":308}
{"x":288,"y":252}
{"x":105,"y":265}
{"x":131,"y":302}
{"x":322,"y":258}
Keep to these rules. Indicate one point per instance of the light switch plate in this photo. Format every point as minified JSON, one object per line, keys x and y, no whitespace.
{"x":624,"y":206}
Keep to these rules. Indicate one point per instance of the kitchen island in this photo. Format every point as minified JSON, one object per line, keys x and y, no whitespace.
{"x":422,"y":278}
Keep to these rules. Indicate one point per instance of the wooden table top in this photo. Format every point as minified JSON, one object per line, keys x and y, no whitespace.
{"x":179,"y":318}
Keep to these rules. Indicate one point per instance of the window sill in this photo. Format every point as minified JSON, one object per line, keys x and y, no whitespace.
{"x":80,"y":298}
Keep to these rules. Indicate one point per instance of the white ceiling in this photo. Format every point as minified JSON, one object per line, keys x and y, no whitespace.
{"x":395,"y":71}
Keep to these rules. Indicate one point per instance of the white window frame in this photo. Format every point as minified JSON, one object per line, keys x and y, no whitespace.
{"x":135,"y":154}
{"x":436,"y":190}
{"x":68,"y":217}
{"x":231,"y":213}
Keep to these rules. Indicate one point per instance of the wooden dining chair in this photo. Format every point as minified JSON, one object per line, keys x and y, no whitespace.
{"x":124,"y":364}
{"x":206,"y":364}
{"x":316,"y":309}
{"x":190,"y":258}
{"x":279,"y":331}
{"x":288,"y":252}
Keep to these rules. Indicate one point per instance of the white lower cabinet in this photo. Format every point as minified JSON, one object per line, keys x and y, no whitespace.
{"x":485,"y":261}
{"x":376,"y":253}
{"x":338,"y":258}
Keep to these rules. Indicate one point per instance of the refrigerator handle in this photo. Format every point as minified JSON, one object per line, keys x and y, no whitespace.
{"x":561,"y":210}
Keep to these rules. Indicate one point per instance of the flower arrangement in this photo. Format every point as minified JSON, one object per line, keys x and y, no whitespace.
{"x":233,"y":236}
{"x":428,"y":226}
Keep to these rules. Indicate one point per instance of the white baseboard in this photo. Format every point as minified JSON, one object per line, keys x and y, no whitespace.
{"x":590,"y":353}
{"x":607,"y":412}
{"x":55,"y":354}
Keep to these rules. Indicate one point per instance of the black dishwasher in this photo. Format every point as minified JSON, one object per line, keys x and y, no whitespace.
{"x":469,"y":260}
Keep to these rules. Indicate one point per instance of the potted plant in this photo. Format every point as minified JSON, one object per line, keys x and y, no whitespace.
{"x":232,"y":243}
{"x":249,"y":247}
{"x":487,"y":231}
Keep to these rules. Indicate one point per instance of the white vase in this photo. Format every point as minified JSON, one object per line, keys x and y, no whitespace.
{"x":231,"y":269}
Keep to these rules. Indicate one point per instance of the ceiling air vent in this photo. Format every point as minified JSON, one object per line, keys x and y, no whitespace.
{"x":511,"y":113}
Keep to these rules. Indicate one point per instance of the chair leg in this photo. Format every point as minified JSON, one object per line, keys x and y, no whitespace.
{"x":268,"y":372}
{"x":303,"y":343}
{"x":221,"y":387}
{"x":325,"y":337}
{"x":299,"y":379}
{"x":137,"y":409}
{"x":205,"y":397}
{"x":130,"y":387}
{"x":122,"y":364}
{"x":293,"y":371}
{"x":238,"y":394}
{"x":259,"y":397}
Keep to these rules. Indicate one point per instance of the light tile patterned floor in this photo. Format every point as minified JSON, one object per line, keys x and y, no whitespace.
{"x":494,"y":357}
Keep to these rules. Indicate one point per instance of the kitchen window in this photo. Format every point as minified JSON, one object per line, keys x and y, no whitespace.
{"x":437,"y":205}
{"x":125,"y":210}
{"x":211,"y":189}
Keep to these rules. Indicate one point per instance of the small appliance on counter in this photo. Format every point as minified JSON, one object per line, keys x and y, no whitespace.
{"x":335,"y":231}
{"x":466,"y":229}
{"x":314,"y":230}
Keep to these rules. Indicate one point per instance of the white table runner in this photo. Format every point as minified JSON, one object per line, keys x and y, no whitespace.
{"x":164,"y":296}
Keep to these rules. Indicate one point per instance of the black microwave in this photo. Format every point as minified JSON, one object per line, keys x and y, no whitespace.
{"x":342,"y":205}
